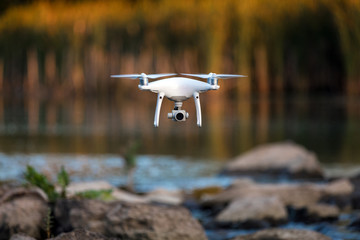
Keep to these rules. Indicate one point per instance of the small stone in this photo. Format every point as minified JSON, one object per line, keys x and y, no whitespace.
{"x":319,"y":212}
{"x":122,"y":195}
{"x":165,"y":196}
{"x":20,"y":236}
{"x":80,"y":234}
{"x":339,"y":187}
{"x":206,"y":192}
{"x":283,"y":234}
{"x":254,"y":210}
{"x":78,"y":187}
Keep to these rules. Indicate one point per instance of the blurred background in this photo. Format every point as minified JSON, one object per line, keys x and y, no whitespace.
{"x":58,"y":102}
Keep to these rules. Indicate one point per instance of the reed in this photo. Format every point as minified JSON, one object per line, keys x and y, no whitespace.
{"x":71,"y":47}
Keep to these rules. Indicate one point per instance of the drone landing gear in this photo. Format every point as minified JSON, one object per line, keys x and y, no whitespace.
{"x":158,"y":107}
{"x":178,"y":114}
{"x":198,"y":108}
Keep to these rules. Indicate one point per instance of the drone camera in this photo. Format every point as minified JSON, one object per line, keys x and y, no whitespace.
{"x":178,"y":115}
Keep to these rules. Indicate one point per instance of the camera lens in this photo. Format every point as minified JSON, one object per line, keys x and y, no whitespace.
{"x":179,"y":116}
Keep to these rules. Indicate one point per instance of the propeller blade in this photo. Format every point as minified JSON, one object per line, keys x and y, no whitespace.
{"x":213,"y":75}
{"x":229,"y":75}
{"x":153,"y":76}
{"x":196,"y":75}
{"x":133,"y":76}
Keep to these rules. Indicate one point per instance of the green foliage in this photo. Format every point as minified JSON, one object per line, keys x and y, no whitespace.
{"x":104,"y":195}
{"x":130,"y":155}
{"x":63,"y":181}
{"x":40,"y":180}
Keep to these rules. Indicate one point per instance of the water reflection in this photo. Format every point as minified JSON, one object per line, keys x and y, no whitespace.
{"x":328,"y":126}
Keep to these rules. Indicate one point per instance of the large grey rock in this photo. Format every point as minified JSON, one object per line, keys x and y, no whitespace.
{"x":135,"y":221}
{"x":283,"y":234}
{"x":279,"y":158}
{"x":128,"y":221}
{"x":254,"y":212}
{"x":23,"y":211}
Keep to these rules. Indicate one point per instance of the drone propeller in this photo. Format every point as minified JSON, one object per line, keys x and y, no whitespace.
{"x":213,"y":75}
{"x":151,"y":76}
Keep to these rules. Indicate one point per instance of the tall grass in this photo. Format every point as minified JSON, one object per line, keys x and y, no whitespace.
{"x":301,"y":46}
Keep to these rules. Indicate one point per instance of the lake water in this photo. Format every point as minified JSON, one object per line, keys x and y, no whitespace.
{"x":90,"y":135}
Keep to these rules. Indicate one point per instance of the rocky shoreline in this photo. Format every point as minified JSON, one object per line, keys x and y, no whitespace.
{"x":247,"y":204}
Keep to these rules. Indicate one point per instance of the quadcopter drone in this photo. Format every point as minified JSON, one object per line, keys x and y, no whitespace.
{"x":178,"y":89}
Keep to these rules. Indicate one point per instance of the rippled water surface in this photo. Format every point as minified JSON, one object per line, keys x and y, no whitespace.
{"x":83,"y":133}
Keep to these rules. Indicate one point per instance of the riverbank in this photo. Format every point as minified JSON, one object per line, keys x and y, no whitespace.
{"x":292,"y":198}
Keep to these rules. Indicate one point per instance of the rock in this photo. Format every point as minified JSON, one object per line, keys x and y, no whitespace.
{"x":296,"y":195}
{"x":125,"y":196}
{"x":321,"y":212}
{"x":253,"y":212}
{"x":279,"y":158}
{"x":165,"y":196}
{"x":20,"y":236}
{"x":78,"y":187}
{"x":77,"y":214}
{"x":21,"y":192}
{"x":80,"y":234}
{"x":23,"y":211}
{"x":339,"y":187}
{"x":304,"y":202}
{"x":283,"y":234}
{"x":6,"y":186}
{"x":116,"y":194}
{"x":126,"y":220}
{"x":134,"y":221}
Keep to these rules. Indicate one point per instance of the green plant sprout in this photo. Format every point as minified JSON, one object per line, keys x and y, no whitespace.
{"x":63,"y":180}
{"x":37,"y":179}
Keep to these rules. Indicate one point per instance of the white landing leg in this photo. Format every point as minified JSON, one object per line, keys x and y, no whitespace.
{"x":158,"y":107}
{"x":198,"y":108}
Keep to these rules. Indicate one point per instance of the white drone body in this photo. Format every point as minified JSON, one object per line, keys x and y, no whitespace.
{"x":178,"y":89}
